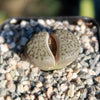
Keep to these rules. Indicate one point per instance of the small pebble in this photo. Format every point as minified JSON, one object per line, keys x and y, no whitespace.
{"x":49,"y":92}
{"x":18,"y":98}
{"x":23,"y":41}
{"x":3,"y":91}
{"x":1,"y":40}
{"x":40,"y":21}
{"x":12,"y":62}
{"x":12,"y":45}
{"x":64,"y":87}
{"x":40,"y":97}
{"x":48,"y":22}
{"x":4,"y":48}
{"x":32,"y":97}
{"x":97,"y":79}
{"x":74,"y":76}
{"x":39,"y":84}
{"x":8,"y":98}
{"x":69,"y":76}
{"x":91,"y":72}
{"x":2,"y":98}
{"x":80,"y":22}
{"x":3,"y":83}
{"x":71,"y":90}
{"x":11,"y":86}
{"x":6,"y":27}
{"x":20,"y":88}
{"x":25,"y":65}
{"x":26,"y":88}
{"x":8,"y":76}
{"x":13,"y":21}
{"x":33,"y":23}
{"x":23,"y":23}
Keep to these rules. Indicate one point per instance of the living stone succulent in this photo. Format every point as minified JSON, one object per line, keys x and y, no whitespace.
{"x":52,"y":51}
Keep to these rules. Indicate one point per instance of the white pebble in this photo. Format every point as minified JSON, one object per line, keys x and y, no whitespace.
{"x":26,"y":82}
{"x":25,"y":65}
{"x":91,"y":72}
{"x":48,"y":22}
{"x":77,"y":94}
{"x":12,"y":61}
{"x":2,"y":40}
{"x":41,"y":97}
{"x":64,"y":87}
{"x":3,"y":83}
{"x":20,"y":88}
{"x":13,"y":21}
{"x":83,"y":28}
{"x":80,"y":22}
{"x":27,"y":97}
{"x":18,"y":98}
{"x":41,"y":21}
{"x":71,"y":91}
{"x":23,"y":23}
{"x":8,"y":76}
{"x":26,"y":88}
{"x":8,"y":98}
{"x":74,"y":76}
{"x":2,"y":98}
{"x":94,"y":39}
{"x":77,"y":28}
{"x":39,"y":84}
{"x":11,"y":86}
{"x":32,"y":97}
{"x":4,"y":48}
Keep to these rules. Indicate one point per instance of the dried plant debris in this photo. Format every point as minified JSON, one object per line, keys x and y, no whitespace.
{"x":20,"y":80}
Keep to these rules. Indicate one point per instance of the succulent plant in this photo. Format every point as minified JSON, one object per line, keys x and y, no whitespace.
{"x":52,"y":51}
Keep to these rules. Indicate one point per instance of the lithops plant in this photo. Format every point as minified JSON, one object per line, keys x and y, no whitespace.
{"x":52,"y":51}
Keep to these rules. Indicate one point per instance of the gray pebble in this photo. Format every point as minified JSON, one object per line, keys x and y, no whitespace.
{"x":12,"y":45}
{"x":7,"y":27}
{"x":23,"y":41}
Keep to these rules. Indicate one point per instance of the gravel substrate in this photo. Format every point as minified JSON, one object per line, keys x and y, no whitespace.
{"x":19,"y":80}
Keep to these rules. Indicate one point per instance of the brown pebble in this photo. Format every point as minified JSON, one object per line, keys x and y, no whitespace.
{"x":49,"y":92}
{"x":97,"y":79}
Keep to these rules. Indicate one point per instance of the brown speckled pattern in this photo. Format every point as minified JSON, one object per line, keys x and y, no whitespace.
{"x":41,"y":55}
{"x":68,"y":45}
{"x":39,"y":52}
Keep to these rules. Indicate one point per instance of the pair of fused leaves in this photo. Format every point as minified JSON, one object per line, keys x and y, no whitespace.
{"x":52,"y":51}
